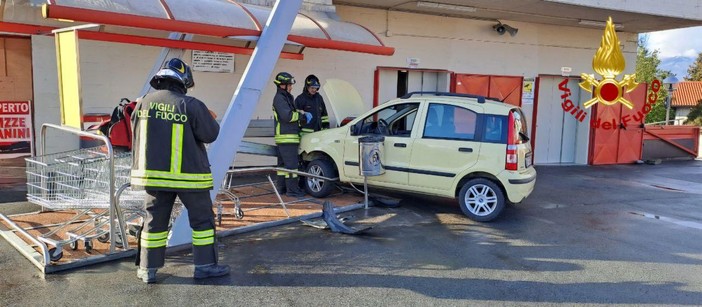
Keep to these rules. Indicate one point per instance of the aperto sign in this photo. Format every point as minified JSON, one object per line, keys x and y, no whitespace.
{"x":15,"y":128}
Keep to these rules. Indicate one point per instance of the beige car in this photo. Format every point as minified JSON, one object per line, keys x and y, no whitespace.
{"x":438,"y":144}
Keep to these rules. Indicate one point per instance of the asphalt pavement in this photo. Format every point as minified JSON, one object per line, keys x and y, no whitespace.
{"x":588,"y":235}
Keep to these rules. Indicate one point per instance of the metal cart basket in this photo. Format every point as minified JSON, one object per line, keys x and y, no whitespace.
{"x":92,"y":181}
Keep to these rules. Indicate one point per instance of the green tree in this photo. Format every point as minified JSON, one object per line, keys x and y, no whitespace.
{"x":694,"y":72}
{"x":695,"y":115}
{"x":647,"y":63}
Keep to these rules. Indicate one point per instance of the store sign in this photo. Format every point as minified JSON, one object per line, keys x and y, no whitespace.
{"x":15,"y":127}
{"x":210,"y":61}
{"x":609,"y":62}
{"x":565,"y":71}
{"x":413,"y":62}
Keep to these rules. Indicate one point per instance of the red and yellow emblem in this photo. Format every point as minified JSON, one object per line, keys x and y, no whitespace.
{"x":609,"y":63}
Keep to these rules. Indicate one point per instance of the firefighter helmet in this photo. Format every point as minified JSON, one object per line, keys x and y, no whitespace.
{"x":284,"y":78}
{"x":312,"y":81}
{"x":175,"y":69}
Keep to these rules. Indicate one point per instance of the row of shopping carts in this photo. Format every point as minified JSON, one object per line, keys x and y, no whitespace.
{"x":90,"y":182}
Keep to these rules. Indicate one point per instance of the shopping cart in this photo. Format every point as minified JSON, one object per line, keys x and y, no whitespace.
{"x":91,"y":181}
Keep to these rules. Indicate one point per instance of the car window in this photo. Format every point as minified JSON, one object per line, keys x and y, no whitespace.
{"x":396,"y":120}
{"x":495,"y":128}
{"x":520,"y":126}
{"x":450,"y":122}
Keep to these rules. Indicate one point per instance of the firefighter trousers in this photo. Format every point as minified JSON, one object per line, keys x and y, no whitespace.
{"x":154,"y":233}
{"x":288,"y":158}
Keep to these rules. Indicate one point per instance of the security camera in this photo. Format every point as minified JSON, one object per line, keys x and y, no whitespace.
{"x":501,"y":28}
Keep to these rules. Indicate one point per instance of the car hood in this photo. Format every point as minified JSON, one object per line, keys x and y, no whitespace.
{"x":343,"y":99}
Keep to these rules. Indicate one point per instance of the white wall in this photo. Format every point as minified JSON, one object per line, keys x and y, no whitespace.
{"x":681,"y":113}
{"x":110,"y":71}
{"x":46,"y":97}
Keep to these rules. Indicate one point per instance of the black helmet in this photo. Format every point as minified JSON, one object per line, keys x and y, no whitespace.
{"x":175,"y":69}
{"x":284,"y":78}
{"x":312,"y":81}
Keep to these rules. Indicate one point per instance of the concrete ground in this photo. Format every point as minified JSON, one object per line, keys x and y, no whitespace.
{"x":606,"y":235}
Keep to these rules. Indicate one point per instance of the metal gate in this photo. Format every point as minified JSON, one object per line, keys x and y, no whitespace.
{"x":617,"y":131}
{"x":559,"y":137}
{"x":504,"y":88}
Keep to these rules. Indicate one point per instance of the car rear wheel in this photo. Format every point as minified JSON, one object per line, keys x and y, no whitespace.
{"x":318,"y":187}
{"x":481,"y":199}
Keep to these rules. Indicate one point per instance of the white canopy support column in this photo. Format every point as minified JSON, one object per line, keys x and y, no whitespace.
{"x":166,"y":54}
{"x":236,"y":119}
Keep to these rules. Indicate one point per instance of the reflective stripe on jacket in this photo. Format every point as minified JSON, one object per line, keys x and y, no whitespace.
{"x":170,"y":132}
{"x":287,"y":119}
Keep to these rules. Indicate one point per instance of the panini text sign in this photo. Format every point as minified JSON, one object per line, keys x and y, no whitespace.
{"x":15,"y":127}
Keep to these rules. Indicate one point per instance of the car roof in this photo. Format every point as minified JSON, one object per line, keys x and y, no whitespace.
{"x":490,"y":105}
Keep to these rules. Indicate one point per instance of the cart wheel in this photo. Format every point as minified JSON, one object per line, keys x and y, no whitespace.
{"x":238,"y":213}
{"x":104,"y":238}
{"x":73,"y":245}
{"x":54,"y":256}
{"x":88,"y":246}
{"x":118,"y":241}
{"x":133,"y":230}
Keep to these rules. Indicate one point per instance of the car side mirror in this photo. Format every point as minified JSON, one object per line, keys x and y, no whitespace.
{"x":354,"y":129}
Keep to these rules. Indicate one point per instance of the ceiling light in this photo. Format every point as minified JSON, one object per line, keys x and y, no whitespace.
{"x":446,"y":7}
{"x":596,"y":23}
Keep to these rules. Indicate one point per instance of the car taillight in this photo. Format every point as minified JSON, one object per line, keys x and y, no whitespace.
{"x":511,"y":159}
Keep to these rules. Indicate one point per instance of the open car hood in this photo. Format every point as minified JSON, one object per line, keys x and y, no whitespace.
{"x":343,"y":99}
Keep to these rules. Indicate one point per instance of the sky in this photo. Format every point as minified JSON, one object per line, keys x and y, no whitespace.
{"x":677,"y":48}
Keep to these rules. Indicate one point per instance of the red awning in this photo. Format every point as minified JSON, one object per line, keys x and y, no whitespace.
{"x":225,"y":19}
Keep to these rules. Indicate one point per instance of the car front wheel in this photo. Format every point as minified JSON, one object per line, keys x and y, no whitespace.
{"x":318,"y":187}
{"x":481,"y":200}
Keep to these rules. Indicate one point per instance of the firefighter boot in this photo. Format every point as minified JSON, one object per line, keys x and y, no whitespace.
{"x":147,"y":275}
{"x":280,"y":185}
{"x":293,"y":188}
{"x":210,"y":270}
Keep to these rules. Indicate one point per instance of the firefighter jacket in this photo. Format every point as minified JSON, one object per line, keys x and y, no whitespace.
{"x":170,"y":131}
{"x":287,"y":119}
{"x":314,"y":104}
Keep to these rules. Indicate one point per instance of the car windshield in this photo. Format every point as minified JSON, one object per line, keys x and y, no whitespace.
{"x":396,"y":120}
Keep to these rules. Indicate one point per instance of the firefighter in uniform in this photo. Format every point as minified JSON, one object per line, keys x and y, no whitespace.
{"x":169,"y":161}
{"x":287,"y":133}
{"x":312,"y":102}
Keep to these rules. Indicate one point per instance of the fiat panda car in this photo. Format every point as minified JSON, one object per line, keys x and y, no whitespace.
{"x":446,"y":145}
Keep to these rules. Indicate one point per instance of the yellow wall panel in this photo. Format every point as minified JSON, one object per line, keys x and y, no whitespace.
{"x":69,"y":79}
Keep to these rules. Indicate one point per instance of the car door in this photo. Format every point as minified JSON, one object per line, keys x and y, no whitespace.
{"x":396,"y":123}
{"x":446,"y":146}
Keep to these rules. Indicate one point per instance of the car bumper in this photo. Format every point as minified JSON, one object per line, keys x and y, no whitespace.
{"x":518,"y":184}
